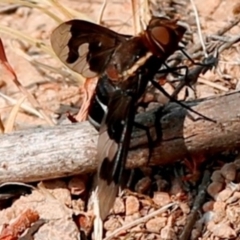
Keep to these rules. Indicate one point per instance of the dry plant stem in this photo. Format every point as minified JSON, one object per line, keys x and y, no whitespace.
{"x":33,"y":101}
{"x":139,"y":221}
{"x":37,"y":154}
{"x":136,"y":17}
{"x":194,"y":73}
{"x":34,"y":42}
{"x":103,"y":7}
{"x":194,"y":50}
{"x":35,"y":5}
{"x":23,"y":106}
{"x":199,"y":28}
{"x":62,"y":9}
{"x":220,"y":32}
{"x":213,"y":85}
{"x":199,"y":200}
{"x":12,"y":116}
{"x":2,"y":129}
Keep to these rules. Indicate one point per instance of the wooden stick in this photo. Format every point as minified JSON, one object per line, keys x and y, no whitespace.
{"x":37,"y":154}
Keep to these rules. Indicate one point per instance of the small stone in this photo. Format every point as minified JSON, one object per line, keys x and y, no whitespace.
{"x":236,"y":9}
{"x":237,"y":179}
{"x":168,"y":233}
{"x":221,"y":230}
{"x":143,"y":185}
{"x":84,"y":222}
{"x":112,"y":224}
{"x":219,"y":216}
{"x":214,"y":188}
{"x":148,"y":236}
{"x":217,"y":177}
{"x":77,"y":185}
{"x":130,"y":218}
{"x":176,"y":187}
{"x":162,"y":184}
{"x":234,"y":198}
{"x":156,"y":224}
{"x":207,"y":217}
{"x":78,"y":205}
{"x":219,"y":206}
{"x":195,"y":234}
{"x":184,"y":207}
{"x":208,"y":206}
{"x":132,"y":205}
{"x":119,"y":206}
{"x":237,"y":162}
{"x":148,"y":97}
{"x":161,"y":198}
{"x":224,"y":195}
{"x":229,"y":171}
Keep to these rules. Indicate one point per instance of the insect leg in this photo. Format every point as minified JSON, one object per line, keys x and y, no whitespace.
{"x":155,"y":84}
{"x":150,"y":140}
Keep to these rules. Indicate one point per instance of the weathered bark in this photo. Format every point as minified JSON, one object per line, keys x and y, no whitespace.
{"x":37,"y":154}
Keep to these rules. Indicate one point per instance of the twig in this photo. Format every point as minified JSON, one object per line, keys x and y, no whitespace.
{"x":199,"y":28}
{"x":213,"y":85}
{"x":103,"y":7}
{"x":227,"y":45}
{"x":139,"y":221}
{"x":196,"y":206}
{"x":220,"y":32}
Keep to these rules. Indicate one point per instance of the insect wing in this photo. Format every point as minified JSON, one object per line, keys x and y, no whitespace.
{"x":113,"y":145}
{"x":85,"y":47}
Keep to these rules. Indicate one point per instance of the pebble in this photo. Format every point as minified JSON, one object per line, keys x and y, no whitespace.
{"x":132,"y":205}
{"x":229,"y":171}
{"x":214,"y":188}
{"x":161,"y":198}
{"x":119,"y":206}
{"x":221,"y":230}
{"x":156,"y":224}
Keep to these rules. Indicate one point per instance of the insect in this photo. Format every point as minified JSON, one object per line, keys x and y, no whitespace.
{"x":125,"y":64}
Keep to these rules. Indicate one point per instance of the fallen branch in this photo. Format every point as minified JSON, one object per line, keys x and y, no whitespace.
{"x":37,"y":154}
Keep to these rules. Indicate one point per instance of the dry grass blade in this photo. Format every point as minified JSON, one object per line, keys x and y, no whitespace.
{"x":62,"y":9}
{"x":199,"y":28}
{"x":136,"y":18}
{"x":213,"y":85}
{"x":35,"y":5}
{"x":104,"y":4}
{"x":23,"y":37}
{"x":12,"y":116}
{"x":30,"y":97}
{"x":138,"y":221}
{"x":23,"y":106}
{"x":65,"y":73}
{"x":2,"y":129}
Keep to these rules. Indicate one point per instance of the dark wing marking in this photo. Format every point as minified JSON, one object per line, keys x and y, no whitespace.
{"x":85,"y":47}
{"x":113,"y":145}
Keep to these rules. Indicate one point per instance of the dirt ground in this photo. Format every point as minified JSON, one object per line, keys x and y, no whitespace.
{"x":60,"y":202}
